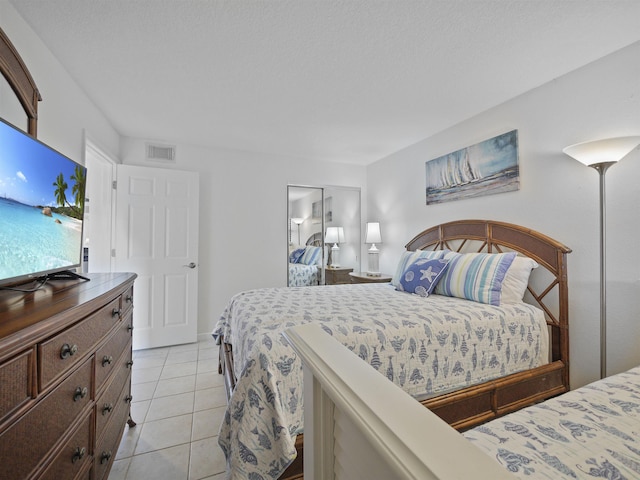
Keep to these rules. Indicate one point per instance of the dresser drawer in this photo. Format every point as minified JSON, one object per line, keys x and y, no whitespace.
{"x":74,"y":456}
{"x":108,"y":355}
{"x":60,"y":353}
{"x":118,"y":392}
{"x":16,"y":382}
{"x":127,"y":299}
{"x":107,"y":447}
{"x":46,"y":423}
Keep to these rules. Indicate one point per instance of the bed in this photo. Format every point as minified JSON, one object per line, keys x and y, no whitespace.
{"x":261,"y":432}
{"x":305,"y":263}
{"x":593,"y":431}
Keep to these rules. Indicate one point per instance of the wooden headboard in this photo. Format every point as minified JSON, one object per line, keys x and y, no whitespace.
{"x":547,"y":287}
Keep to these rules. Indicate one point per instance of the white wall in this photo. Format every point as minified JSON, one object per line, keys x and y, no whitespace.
{"x":65,"y":114}
{"x":558,"y":196}
{"x":243,"y":215}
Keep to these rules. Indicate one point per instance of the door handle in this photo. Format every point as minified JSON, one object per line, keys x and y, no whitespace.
{"x":191,"y":265}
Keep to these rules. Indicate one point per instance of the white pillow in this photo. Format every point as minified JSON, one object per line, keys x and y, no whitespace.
{"x":516,"y":279}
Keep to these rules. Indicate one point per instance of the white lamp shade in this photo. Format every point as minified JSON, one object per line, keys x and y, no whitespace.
{"x":600,"y":151}
{"x":373,"y":233}
{"x":297,"y":221}
{"x":333,"y":235}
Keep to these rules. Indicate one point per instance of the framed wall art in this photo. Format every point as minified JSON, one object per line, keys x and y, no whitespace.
{"x":486,"y":168}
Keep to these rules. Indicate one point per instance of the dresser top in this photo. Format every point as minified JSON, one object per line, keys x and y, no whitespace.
{"x":58,"y":303}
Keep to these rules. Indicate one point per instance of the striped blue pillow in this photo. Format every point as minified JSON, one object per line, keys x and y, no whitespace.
{"x":475,"y":276}
{"x":311,"y":256}
{"x":408,"y":258}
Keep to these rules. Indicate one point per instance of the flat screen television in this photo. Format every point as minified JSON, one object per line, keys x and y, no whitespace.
{"x":42,"y":196}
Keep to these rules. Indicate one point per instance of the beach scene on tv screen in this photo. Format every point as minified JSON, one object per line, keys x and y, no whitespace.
{"x":41,"y":207}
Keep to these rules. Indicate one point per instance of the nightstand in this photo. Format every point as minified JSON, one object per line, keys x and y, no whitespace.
{"x":337,"y":276}
{"x":362,"y":277}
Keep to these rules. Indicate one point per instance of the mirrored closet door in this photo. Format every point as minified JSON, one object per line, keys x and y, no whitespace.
{"x":323,"y":234}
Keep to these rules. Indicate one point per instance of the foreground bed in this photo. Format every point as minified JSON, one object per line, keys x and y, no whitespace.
{"x":264,"y":413}
{"x":593,"y":431}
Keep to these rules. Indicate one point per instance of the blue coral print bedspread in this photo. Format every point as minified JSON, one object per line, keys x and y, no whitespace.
{"x":425,"y":345}
{"x":301,"y":275}
{"x":591,"y":432}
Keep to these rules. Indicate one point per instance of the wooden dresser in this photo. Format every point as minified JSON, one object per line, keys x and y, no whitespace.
{"x":65,"y":377}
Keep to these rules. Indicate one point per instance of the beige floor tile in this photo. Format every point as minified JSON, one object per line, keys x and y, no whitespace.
{"x":172,"y":406}
{"x":173,"y":386}
{"x":139,"y":410}
{"x":209,"y":380}
{"x":210,"y":398}
{"x":148,"y":362}
{"x":206,"y":459}
{"x":164,"y":433}
{"x":182,"y":357}
{"x":128,"y":443}
{"x":145,"y":375}
{"x":206,"y":423}
{"x":178,"y":370}
{"x":167,"y":464}
{"x":119,"y":469}
{"x":143,"y":391}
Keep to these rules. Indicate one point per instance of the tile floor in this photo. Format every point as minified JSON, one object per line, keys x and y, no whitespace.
{"x":178,"y":404}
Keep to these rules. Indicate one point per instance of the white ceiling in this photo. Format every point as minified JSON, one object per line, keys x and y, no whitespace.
{"x":347,"y":81}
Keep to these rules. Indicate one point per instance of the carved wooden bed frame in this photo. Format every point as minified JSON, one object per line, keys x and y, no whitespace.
{"x":547,"y":289}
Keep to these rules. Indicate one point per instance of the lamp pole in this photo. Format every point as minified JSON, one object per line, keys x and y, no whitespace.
{"x":602,"y":170}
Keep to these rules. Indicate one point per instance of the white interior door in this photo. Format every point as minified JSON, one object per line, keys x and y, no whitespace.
{"x":156,"y":236}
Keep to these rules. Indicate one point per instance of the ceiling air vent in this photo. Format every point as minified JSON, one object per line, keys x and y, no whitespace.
{"x":161,"y":153}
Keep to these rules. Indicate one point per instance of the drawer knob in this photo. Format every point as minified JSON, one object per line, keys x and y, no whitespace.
{"x":68,"y":351}
{"x":105,"y":457}
{"x":129,"y":328}
{"x":128,"y":299}
{"x":107,"y":408}
{"x":128,"y":398}
{"x":115,"y":312}
{"x":107,"y":360}
{"x":80,"y":393}
{"x":78,"y":454}
{"x":130,"y":364}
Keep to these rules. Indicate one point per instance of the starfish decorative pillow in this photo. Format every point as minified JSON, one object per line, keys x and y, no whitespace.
{"x":421,"y":276}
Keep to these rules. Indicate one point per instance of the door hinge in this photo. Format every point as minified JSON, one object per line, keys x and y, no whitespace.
{"x":114,"y":184}
{"x":113,"y":252}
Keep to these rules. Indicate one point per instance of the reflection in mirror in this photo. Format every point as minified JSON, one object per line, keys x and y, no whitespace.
{"x":323,"y":234}
{"x":305,"y":212}
{"x":342,"y":233}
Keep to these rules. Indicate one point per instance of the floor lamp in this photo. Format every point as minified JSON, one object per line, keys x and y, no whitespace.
{"x":601,"y":154}
{"x":298,"y":222}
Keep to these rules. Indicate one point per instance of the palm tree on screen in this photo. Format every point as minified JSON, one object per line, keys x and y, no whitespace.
{"x":79,"y":187}
{"x":61,"y":188}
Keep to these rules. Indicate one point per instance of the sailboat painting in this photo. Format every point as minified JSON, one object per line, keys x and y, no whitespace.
{"x":486,"y":168}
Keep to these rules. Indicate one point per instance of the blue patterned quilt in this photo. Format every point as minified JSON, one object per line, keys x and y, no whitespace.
{"x":301,"y":275}
{"x":426,"y":346}
{"x":591,"y":432}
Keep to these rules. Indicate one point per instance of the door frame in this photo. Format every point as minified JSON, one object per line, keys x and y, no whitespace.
{"x":103,"y":251}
